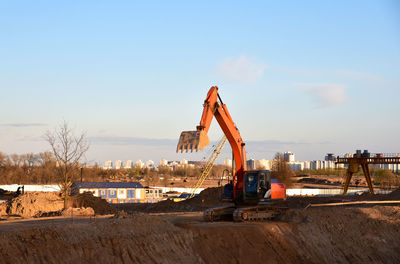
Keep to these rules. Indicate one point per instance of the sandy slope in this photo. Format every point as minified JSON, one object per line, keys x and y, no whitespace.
{"x":315,"y":235}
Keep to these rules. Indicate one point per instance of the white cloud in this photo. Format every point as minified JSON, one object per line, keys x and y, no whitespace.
{"x":242,"y":69}
{"x":326,"y":94}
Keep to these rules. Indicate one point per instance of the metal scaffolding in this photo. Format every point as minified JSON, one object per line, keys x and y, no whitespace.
{"x":210,"y":163}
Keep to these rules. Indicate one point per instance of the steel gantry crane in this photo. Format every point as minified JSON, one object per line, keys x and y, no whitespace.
{"x":363,"y":160}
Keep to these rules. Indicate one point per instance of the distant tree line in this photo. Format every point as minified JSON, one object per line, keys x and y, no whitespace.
{"x":41,"y":168}
{"x":27,"y":168}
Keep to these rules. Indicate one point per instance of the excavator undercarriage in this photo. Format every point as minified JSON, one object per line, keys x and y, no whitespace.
{"x":243,"y":214}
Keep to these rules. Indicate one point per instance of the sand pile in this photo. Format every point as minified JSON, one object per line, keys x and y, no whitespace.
{"x":35,"y":204}
{"x":99,"y":205}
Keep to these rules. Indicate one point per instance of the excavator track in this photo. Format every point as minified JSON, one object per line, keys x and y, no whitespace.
{"x":257,"y":213}
{"x":218,"y":213}
{"x":245,"y":214}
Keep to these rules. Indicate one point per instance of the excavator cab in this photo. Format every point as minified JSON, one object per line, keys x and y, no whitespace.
{"x":257,"y":185}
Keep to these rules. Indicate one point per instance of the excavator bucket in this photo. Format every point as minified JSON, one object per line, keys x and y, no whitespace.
{"x":192,"y":140}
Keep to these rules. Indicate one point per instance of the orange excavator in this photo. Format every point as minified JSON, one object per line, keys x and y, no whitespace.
{"x":251,"y":191}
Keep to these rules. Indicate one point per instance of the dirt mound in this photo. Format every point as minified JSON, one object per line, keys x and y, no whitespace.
{"x":394,"y":195}
{"x":137,"y":239}
{"x":304,"y":201}
{"x":162,"y":206}
{"x":35,"y":204}
{"x":314,"y":235}
{"x":209,"y":197}
{"x":99,"y":205}
{"x":3,"y":209}
{"x":346,"y":235}
{"x":71,"y":212}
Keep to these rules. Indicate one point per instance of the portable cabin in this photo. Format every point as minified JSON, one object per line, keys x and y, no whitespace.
{"x":119,"y":192}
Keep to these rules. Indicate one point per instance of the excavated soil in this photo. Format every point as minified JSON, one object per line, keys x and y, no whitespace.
{"x":35,"y":204}
{"x":88,"y":211}
{"x":3,"y":209}
{"x":39,"y":204}
{"x":208,"y":198}
{"x":304,"y":201}
{"x":338,"y":235}
{"x":99,"y":205}
{"x":303,"y":234}
{"x":211,"y":197}
{"x":139,"y":239}
{"x":313,"y":235}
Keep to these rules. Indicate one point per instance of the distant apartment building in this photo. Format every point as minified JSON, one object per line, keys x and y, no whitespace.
{"x":150,"y":164}
{"x":108,"y":165}
{"x":183,"y":162}
{"x":315,"y":164}
{"x":330,"y":157}
{"x":296,"y":165}
{"x":128,"y":164}
{"x":139,"y":164}
{"x":251,"y":164}
{"x":198,"y":163}
{"x":163,"y":162}
{"x":288,"y":156}
{"x":118,"y":164}
{"x":173,"y":163}
{"x":393,"y":167}
{"x":263,"y":164}
{"x":228,"y":162}
{"x":324,"y":164}
{"x":306,"y":165}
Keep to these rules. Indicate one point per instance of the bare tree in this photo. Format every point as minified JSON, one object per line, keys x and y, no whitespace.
{"x":3,"y":159}
{"x":68,"y":149}
{"x":281,"y":170}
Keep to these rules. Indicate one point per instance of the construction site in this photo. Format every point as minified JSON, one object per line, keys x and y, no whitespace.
{"x":210,"y":132}
{"x":340,"y":229}
{"x":250,"y":219}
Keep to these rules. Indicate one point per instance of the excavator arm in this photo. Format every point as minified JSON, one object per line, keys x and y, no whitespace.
{"x":195,"y":140}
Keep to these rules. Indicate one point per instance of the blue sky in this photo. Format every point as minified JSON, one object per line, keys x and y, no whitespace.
{"x":307,"y":76}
